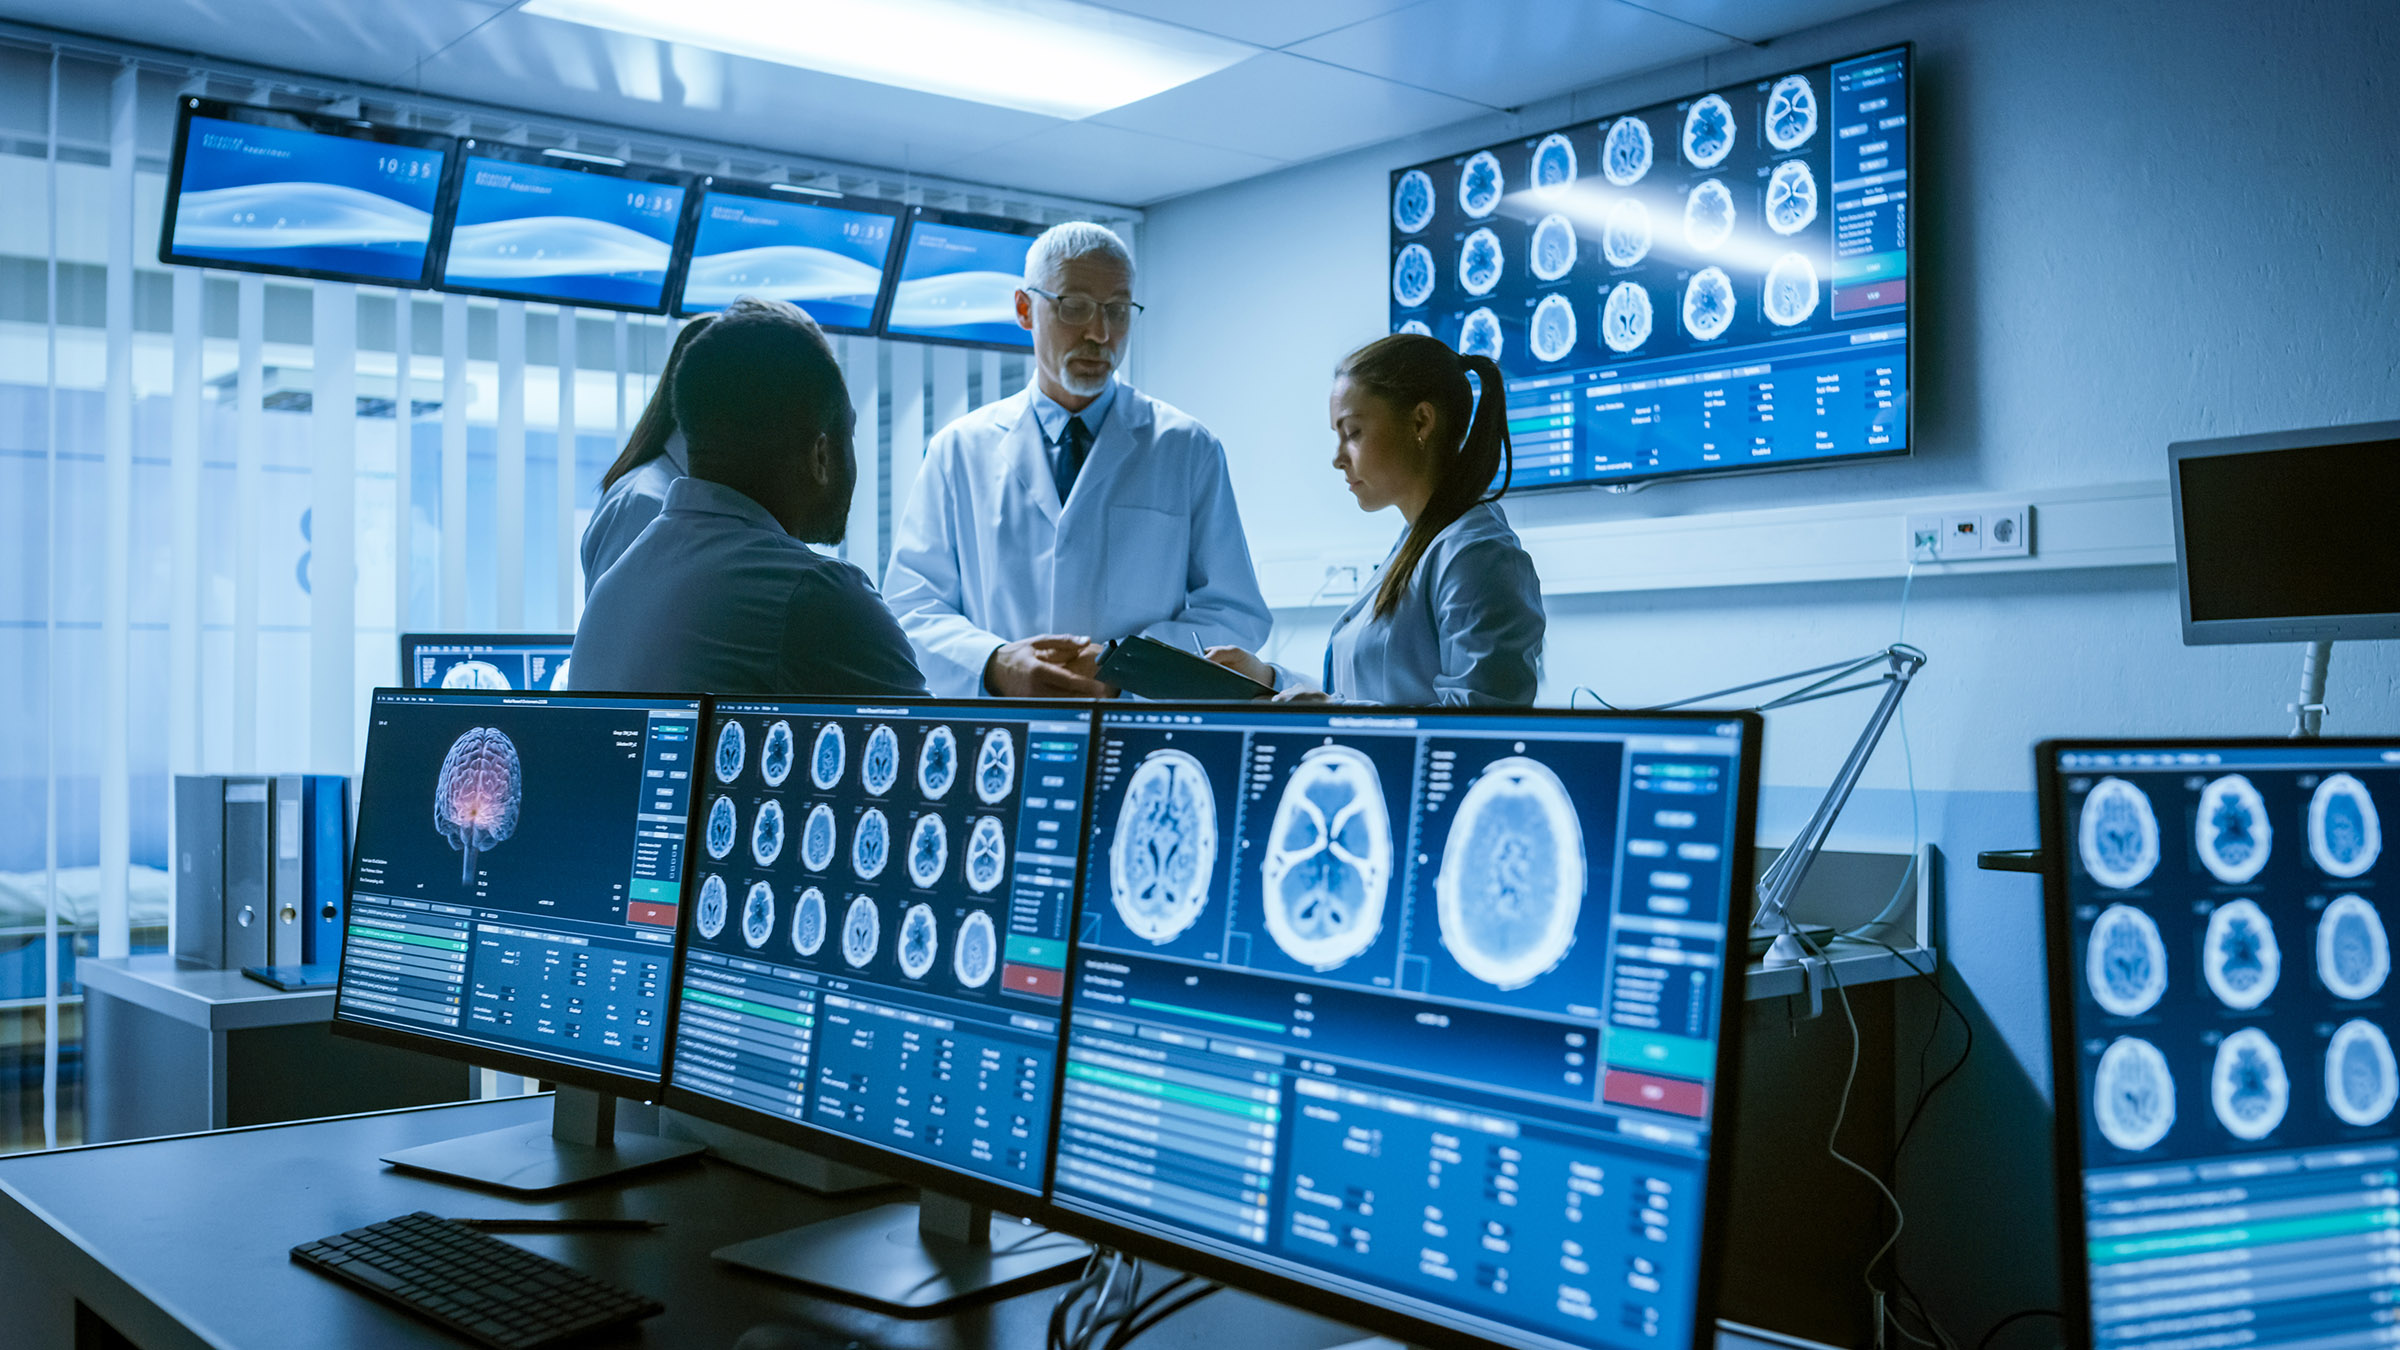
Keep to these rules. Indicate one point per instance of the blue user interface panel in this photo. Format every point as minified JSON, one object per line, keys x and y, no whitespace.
{"x":1711,"y":284}
{"x":958,"y":283}
{"x":277,"y":194}
{"x":877,"y":943}
{"x":1422,"y":1009}
{"x":543,"y":232}
{"x":827,"y":260}
{"x":518,"y":866}
{"x":2227,"y":1059}
{"x":486,"y":661}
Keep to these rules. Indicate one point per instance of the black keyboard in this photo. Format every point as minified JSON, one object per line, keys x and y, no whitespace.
{"x":490,"y":1292}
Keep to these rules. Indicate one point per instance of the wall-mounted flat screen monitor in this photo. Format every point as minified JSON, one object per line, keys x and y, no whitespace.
{"x":301,"y":194}
{"x":959,"y":276}
{"x":1710,"y":285}
{"x":2287,"y":536}
{"x":570,"y":229}
{"x":485,"y":660}
{"x":828,"y":253}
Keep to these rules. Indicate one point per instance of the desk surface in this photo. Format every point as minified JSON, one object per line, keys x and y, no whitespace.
{"x":214,"y":1000}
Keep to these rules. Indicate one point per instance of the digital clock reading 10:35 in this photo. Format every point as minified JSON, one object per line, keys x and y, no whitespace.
{"x":653,"y":202}
{"x":405,"y":168}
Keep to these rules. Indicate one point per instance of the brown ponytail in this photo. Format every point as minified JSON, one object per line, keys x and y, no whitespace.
{"x":649,"y":437}
{"x":1470,"y":435}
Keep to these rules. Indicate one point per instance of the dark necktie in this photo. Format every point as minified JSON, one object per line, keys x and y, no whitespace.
{"x":1073,"y":447}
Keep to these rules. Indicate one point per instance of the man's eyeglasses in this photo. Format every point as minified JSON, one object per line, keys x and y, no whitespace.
{"x":1078,"y":310}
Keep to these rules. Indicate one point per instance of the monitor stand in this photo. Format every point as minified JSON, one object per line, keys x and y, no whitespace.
{"x":579,"y":1143}
{"x":917,"y":1259}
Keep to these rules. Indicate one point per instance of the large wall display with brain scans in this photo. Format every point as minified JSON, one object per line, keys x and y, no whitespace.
{"x":1715,"y":284}
{"x":877,"y":938}
{"x":2220,"y":934}
{"x":1398,"y":986}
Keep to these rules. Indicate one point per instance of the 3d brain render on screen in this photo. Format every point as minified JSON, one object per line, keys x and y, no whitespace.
{"x":1511,"y":880}
{"x":1329,"y":859}
{"x":1165,"y":849}
{"x":477,"y":795}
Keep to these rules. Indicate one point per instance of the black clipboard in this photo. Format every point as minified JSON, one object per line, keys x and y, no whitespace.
{"x":1152,"y":669}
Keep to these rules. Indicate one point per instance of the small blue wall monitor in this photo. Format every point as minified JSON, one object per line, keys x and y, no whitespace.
{"x":516,"y":877}
{"x":825,"y":252}
{"x":486,"y":660}
{"x":302,"y":194}
{"x":959,"y":276}
{"x":2219,"y":922}
{"x":1421,"y":1019}
{"x":571,"y":229}
{"x":1709,"y":285}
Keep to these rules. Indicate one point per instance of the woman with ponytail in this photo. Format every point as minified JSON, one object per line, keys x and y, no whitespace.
{"x":634,"y":489}
{"x":1455,"y":616}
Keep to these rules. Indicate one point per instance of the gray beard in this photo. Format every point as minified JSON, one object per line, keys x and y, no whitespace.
{"x":1083,"y":388}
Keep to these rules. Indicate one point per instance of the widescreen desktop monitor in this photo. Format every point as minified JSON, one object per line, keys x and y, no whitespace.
{"x":958,"y":282}
{"x":2287,"y":536}
{"x":2219,"y":920}
{"x":1423,"y":1020}
{"x":1712,"y":284}
{"x":571,"y":230}
{"x":264,"y":190}
{"x":486,"y":660}
{"x":825,"y":252}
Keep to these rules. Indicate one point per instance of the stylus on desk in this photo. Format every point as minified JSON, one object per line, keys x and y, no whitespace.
{"x":562,"y":1225}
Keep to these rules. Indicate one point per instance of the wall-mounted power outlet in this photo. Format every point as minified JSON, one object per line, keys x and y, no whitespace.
{"x":1965,"y":536}
{"x":1341,"y":581}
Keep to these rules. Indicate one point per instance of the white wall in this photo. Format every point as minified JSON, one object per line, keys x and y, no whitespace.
{"x":2138,"y":223}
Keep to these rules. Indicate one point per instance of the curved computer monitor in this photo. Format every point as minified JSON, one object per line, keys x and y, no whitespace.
{"x":2287,"y":536}
{"x":488,"y":661}
{"x":1424,"y":1020}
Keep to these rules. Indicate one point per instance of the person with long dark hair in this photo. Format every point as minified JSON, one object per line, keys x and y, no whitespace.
{"x":635,"y":487}
{"x":1455,"y":616}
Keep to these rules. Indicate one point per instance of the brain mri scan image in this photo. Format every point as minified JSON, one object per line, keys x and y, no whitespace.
{"x":2361,"y":1081}
{"x":1708,"y":216}
{"x":1791,"y":113}
{"x":1412,"y":276}
{"x":2240,"y":956}
{"x":2117,"y":835}
{"x":871,"y":847}
{"x":721,"y":831}
{"x":2345,"y":835}
{"x":1416,"y":326}
{"x":2249,"y":1088}
{"x":928,"y":850}
{"x":2125,"y":962}
{"x":1165,"y":849}
{"x":1329,"y":859}
{"x":987,"y":855}
{"x":758,"y":915}
{"x":1511,"y":882}
{"x":1553,"y":165}
{"x":1625,"y":239}
{"x":2234,"y":835}
{"x":558,"y":677}
{"x":732,"y":750}
{"x":825,"y":762}
{"x":1553,"y":247}
{"x":1708,"y":303}
{"x":477,"y":795}
{"x":1625,"y":317}
{"x":816,"y":839}
{"x":1708,"y":132}
{"x":1551,"y":332}
{"x":1791,"y":197}
{"x":474,"y":675}
{"x":937,"y":763}
{"x":2133,"y":1095}
{"x":1625,"y":151}
{"x":1412,"y":202}
{"x":1479,"y":334}
{"x":862,"y":932}
{"x":808,"y":922}
{"x":995,"y":767}
{"x":1479,"y":263}
{"x":918,"y":941}
{"x":879,"y":764}
{"x":775,"y":757}
{"x":976,"y":952}
{"x":2354,"y":956}
{"x":1790,"y":294}
{"x":1480,"y":185}
{"x":766,"y":833}
{"x":711,"y":917}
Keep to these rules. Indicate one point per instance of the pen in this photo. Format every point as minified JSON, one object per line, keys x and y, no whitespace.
{"x":561,"y":1225}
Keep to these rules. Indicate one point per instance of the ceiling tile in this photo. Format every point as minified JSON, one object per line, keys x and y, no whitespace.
{"x":1759,"y":20}
{"x":1269,"y":23}
{"x":1107,"y":164}
{"x":1285,"y":108}
{"x":1504,"y":53}
{"x":343,"y":39}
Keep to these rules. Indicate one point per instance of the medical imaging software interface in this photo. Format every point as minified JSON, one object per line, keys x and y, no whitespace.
{"x":877,"y":944}
{"x":1422,"y":1009}
{"x":289,"y":197}
{"x":438,"y":664}
{"x":549,"y":233}
{"x":1706,"y":285}
{"x":2229,"y":941}
{"x":518,"y":865}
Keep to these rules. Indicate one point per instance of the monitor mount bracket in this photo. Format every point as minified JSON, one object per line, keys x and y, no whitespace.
{"x":2308,"y":715}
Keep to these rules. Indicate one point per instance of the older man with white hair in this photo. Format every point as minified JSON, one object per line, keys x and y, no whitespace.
{"x":1078,"y":511}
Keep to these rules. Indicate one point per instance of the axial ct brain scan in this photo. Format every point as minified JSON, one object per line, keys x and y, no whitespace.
{"x":1625,"y":317}
{"x":775,"y":758}
{"x":478,"y":794}
{"x":1511,"y":884}
{"x":2249,"y":1087}
{"x":1552,"y":328}
{"x":1708,"y":216}
{"x":976,"y":953}
{"x":928,"y":850}
{"x":1479,"y":263}
{"x":1412,"y":202}
{"x":2361,"y":1081}
{"x":722,"y":830}
{"x":825,"y":762}
{"x":2354,"y":955}
{"x":2240,"y":956}
{"x":862,"y":932}
{"x":1412,"y":276}
{"x":1791,"y":197}
{"x":758,"y":915}
{"x":1791,"y":290}
{"x":1416,"y":326}
{"x":1708,"y":132}
{"x":1791,"y":113}
{"x":937,"y":762}
{"x":2345,"y":835}
{"x":808,"y":922}
{"x":879,"y":767}
{"x":1708,"y":304}
{"x":1625,"y":241}
{"x":995,"y":768}
{"x":1165,"y":847}
{"x":2235,"y":835}
{"x":1553,"y":247}
{"x":474,"y":675}
{"x":871,"y":847}
{"x":1553,"y":165}
{"x":918,"y":941}
{"x":766,"y":833}
{"x":1625,"y":151}
{"x":1329,"y":859}
{"x":2119,"y":835}
{"x":817,"y":840}
{"x":1479,"y":334}
{"x":2133,"y":1095}
{"x":987,"y":855}
{"x":1480,"y":185}
{"x":711,"y":917}
{"x":2125,"y":961}
{"x":732,"y":748}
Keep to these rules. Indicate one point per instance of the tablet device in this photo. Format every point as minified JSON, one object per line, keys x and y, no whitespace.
{"x":293,"y":979}
{"x":1152,"y":669}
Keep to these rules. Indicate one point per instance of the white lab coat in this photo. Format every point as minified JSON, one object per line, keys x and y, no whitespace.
{"x":1149,"y":541}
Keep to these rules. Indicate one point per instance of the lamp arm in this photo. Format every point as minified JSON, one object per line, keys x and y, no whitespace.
{"x":1791,"y":867}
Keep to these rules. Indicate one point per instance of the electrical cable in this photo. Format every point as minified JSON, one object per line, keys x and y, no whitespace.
{"x":2018,"y":1316}
{"x":1158,"y":1309}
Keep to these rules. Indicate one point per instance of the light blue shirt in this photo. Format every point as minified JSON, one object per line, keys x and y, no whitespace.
{"x":627,"y":508}
{"x":1052,"y":417}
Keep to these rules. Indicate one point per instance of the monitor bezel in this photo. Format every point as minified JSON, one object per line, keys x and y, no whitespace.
{"x":410,"y":642}
{"x":2292,"y":628}
{"x":678,"y":246}
{"x":832,"y":1144}
{"x":963,"y":220}
{"x":321,"y":124}
{"x":1382,"y":1318}
{"x":584,"y":1076}
{"x":826,"y":199}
